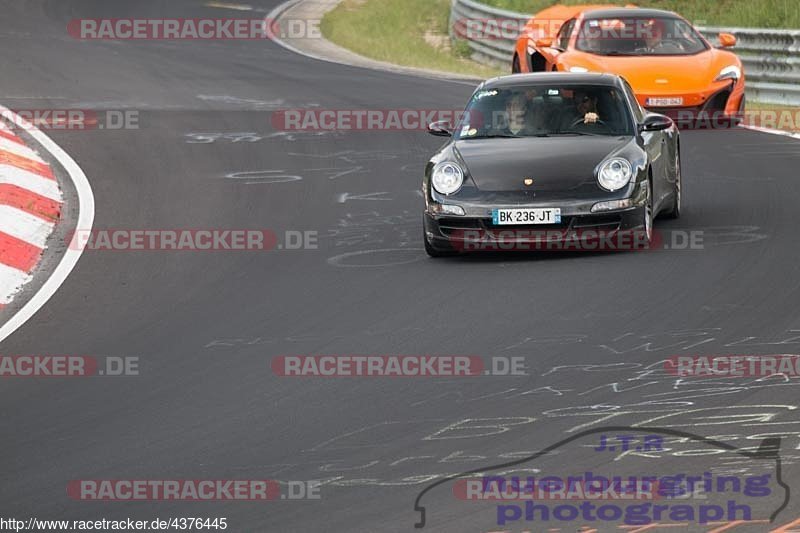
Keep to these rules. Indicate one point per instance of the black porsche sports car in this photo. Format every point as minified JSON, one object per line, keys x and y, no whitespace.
{"x":550,"y":158}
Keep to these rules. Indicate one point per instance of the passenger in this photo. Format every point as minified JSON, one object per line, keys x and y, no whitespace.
{"x":524,"y":118}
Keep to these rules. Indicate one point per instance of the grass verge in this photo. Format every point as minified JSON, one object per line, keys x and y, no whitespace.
{"x":404,"y":32}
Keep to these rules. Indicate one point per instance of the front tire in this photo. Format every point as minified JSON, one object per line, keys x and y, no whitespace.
{"x":515,"y":66}
{"x":647,"y":221}
{"x":675,"y":211}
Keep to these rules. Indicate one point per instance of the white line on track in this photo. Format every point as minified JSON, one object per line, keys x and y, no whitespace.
{"x":773,"y":131}
{"x":85,"y":221}
{"x":226,"y":5}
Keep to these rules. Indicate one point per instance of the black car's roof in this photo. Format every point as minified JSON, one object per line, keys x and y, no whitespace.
{"x":623,"y":12}
{"x":550,"y":78}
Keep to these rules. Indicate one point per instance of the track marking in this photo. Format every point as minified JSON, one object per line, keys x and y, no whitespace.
{"x":10,"y":279}
{"x":28,"y":201}
{"x":772,"y":131}
{"x":19,"y":254}
{"x":225,"y":5}
{"x":84,"y":222}
{"x":24,"y":226}
{"x":30,"y":181}
{"x":19,"y":149}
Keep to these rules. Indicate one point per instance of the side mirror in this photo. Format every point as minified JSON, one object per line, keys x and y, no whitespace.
{"x":656,"y":122}
{"x":726,"y":40}
{"x":544,"y":42}
{"x":440,"y":129}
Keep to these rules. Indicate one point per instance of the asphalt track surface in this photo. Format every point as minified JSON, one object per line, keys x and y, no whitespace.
{"x":206,"y":325}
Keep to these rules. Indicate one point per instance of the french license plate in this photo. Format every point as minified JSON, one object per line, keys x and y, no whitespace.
{"x":664,"y":102}
{"x":502,"y":217}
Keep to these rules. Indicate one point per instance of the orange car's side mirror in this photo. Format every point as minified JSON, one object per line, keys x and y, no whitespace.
{"x":544,"y":42}
{"x":727,"y":40}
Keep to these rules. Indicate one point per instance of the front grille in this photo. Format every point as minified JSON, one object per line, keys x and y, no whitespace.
{"x":606,"y":223}
{"x":597,"y":222}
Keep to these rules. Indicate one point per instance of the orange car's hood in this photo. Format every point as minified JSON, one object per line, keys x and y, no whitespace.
{"x":658,"y":75}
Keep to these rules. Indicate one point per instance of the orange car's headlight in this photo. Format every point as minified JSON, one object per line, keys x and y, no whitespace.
{"x":729,"y":73}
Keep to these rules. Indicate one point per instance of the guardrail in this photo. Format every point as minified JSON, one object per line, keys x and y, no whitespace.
{"x":771,"y":58}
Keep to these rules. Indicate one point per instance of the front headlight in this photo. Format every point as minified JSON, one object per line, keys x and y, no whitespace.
{"x":578,"y":69}
{"x":447,"y":177}
{"x":729,"y":73}
{"x":614,"y":174}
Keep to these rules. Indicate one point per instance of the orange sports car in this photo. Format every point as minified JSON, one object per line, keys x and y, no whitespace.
{"x":671,"y":67}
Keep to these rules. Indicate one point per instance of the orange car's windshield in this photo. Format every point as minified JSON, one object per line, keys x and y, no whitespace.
{"x":639,"y":36}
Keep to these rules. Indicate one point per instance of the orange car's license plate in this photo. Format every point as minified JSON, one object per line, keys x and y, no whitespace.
{"x":664,"y":102}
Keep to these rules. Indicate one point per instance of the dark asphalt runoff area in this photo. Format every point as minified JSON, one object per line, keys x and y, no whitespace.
{"x":593,"y":329}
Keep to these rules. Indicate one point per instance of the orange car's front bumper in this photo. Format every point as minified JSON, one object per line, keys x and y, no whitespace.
{"x":724,"y":98}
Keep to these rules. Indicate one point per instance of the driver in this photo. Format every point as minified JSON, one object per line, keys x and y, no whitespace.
{"x":653,"y":36}
{"x":585,"y":110}
{"x":655,"y":41}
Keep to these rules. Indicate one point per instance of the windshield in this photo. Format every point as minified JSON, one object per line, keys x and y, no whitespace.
{"x":663,"y":36}
{"x":544,"y":111}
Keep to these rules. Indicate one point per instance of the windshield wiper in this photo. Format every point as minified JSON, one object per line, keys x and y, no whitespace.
{"x":571,"y":132}
{"x":496,"y":136}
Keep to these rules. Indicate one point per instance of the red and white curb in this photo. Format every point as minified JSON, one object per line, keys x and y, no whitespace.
{"x":30,"y":206}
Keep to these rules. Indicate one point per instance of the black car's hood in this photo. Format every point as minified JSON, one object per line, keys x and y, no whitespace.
{"x":562,"y":163}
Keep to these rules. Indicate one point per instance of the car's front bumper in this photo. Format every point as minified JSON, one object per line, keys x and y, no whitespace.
{"x":613,"y":230}
{"x":721,"y":102}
